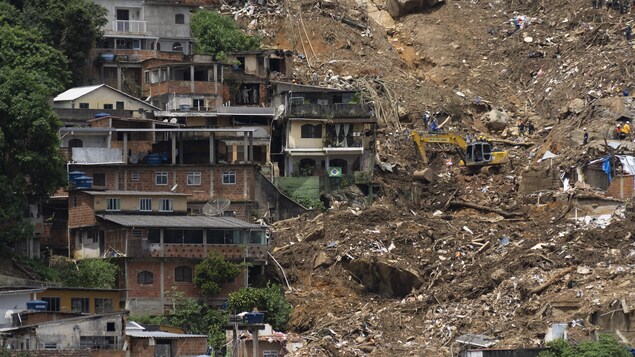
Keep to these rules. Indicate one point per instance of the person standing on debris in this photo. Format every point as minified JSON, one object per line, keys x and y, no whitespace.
{"x":626,"y":130}
{"x":628,"y":33}
{"x":530,"y":128}
{"x":585,"y":139}
{"x":315,"y":79}
{"x":618,"y":132}
{"x":521,"y":127}
{"x":625,"y":7}
{"x":426,"y":120}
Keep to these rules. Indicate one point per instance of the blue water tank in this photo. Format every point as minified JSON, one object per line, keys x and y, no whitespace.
{"x":84,"y":182}
{"x":255,"y":318}
{"x":37,"y":305}
{"x":153,"y":159}
{"x":164,"y":157}
{"x":73,"y":175}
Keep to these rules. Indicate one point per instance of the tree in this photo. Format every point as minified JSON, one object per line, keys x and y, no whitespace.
{"x":269,"y":299}
{"x":215,"y":34}
{"x":72,"y":26}
{"x":213,"y":273}
{"x":605,"y":346}
{"x":31,"y":165}
{"x":91,"y":273}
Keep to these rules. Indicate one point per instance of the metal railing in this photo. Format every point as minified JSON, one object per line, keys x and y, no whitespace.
{"x":330,"y":111}
{"x":128,"y":26}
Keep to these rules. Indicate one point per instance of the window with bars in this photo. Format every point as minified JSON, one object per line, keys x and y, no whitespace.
{"x":165,"y":205}
{"x":183,"y":274}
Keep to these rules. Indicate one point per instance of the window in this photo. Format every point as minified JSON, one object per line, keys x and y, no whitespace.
{"x":194,"y":178}
{"x":99,"y":179}
{"x":107,"y":106}
{"x":183,"y":274}
{"x":110,"y":326}
{"x":136,"y":233}
{"x":165,"y":205}
{"x":75,"y":143}
{"x":113,"y":204}
{"x":229,"y":177}
{"x":146,"y":77}
{"x":145,"y":204}
{"x":119,"y":105}
{"x":134,"y":176}
{"x":161,"y":178}
{"x":309,"y":131}
{"x":179,"y":19}
{"x":53,"y":303}
{"x":145,"y":278}
{"x":177,"y":47}
{"x":83,"y":105}
{"x":198,"y":104}
{"x":80,"y":305}
{"x":103,"y":305}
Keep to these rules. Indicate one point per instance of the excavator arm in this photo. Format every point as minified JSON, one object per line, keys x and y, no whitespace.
{"x":441,"y":138}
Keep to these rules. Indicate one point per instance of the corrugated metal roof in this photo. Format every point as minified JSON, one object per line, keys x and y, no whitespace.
{"x":134,"y":193}
{"x":160,"y":334}
{"x":178,"y":221}
{"x":75,"y":93}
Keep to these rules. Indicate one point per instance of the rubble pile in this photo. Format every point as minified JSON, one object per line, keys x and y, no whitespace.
{"x":424,"y":263}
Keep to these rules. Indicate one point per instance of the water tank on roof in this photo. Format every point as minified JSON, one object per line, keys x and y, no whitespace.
{"x":37,"y":305}
{"x":102,"y":115}
{"x":83,"y":182}
{"x":73,"y":175}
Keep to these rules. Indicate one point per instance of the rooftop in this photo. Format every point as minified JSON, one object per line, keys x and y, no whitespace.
{"x":178,"y":221}
{"x":134,"y":193}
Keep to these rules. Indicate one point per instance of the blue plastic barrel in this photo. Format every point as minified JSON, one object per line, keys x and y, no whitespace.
{"x":84,"y":182}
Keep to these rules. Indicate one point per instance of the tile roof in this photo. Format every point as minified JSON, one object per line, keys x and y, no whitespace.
{"x":178,"y":221}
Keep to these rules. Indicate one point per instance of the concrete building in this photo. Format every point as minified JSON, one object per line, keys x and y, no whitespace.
{"x":60,"y":334}
{"x":324,"y":129}
{"x":152,"y":342}
{"x":101,"y":97}
{"x":81,"y":300}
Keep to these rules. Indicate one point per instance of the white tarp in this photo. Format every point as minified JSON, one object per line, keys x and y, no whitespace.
{"x":628,"y":163}
{"x":97,"y":155}
{"x":547,"y":155}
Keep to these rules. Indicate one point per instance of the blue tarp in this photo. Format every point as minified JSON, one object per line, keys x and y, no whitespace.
{"x":606,"y":167}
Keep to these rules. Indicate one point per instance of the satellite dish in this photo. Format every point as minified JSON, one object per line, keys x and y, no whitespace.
{"x":8,"y":315}
{"x":216,"y":207}
{"x":174,"y":121}
{"x":174,"y":187}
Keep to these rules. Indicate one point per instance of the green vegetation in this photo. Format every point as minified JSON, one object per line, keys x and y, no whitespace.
{"x":71,"y":26}
{"x":213,"y":273}
{"x":193,"y":316}
{"x":31,"y":166}
{"x":91,"y":273}
{"x":215,"y":34}
{"x":269,"y":299}
{"x":606,"y":346}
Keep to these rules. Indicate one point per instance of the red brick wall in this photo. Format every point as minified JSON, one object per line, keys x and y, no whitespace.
{"x":140,"y":347}
{"x":621,"y":187}
{"x":153,"y":291}
{"x":81,"y":214}
{"x":149,"y":290}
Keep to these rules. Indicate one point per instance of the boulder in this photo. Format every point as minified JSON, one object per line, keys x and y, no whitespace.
{"x":398,"y":8}
{"x":576,"y":106}
{"x":321,"y":259}
{"x":496,"y":120}
{"x":384,"y":278}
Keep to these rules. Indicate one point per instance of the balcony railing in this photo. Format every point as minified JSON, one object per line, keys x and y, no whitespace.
{"x":330,"y":111}
{"x":129,"y":26}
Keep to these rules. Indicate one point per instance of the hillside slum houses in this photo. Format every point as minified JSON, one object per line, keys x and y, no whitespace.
{"x":158,"y":183}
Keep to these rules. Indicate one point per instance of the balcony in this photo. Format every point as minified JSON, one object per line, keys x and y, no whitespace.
{"x":330,"y":111}
{"x":129,"y":26}
{"x":200,"y":251}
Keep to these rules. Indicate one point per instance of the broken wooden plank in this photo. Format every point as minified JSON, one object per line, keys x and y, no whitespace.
{"x":553,"y":279}
{"x":457,"y":203}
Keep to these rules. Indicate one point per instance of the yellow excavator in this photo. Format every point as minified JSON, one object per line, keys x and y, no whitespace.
{"x":474,"y":155}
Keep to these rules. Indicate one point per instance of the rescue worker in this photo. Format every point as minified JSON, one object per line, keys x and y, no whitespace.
{"x":628,"y":33}
{"x":426,"y":120}
{"x":618,"y":132}
{"x":626,"y":130}
{"x":625,"y":7}
{"x":521,"y":128}
{"x":595,"y":4}
{"x":585,"y":139}
{"x":530,"y":128}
